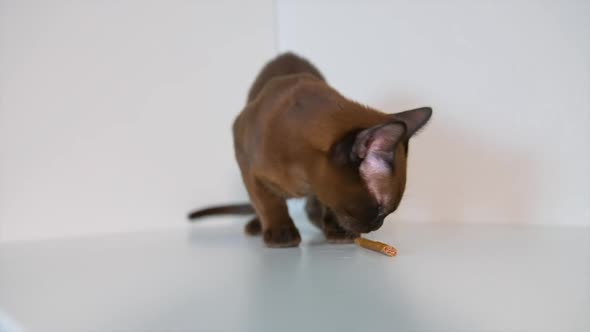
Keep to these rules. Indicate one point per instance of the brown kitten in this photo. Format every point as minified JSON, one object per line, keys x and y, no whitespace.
{"x":298,"y":137}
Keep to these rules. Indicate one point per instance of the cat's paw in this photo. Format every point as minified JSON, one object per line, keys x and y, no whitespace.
{"x":253,"y":227}
{"x":282,"y":237}
{"x":338,"y":236}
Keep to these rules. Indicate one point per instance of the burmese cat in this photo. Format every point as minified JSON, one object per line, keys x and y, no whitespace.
{"x":298,"y":137}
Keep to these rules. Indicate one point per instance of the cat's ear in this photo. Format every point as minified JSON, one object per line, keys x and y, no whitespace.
{"x":378,"y":142}
{"x":413,"y":119}
{"x":376,"y":148}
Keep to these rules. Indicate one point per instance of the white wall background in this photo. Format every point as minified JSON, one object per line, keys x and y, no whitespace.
{"x":509,"y":82}
{"x":115,"y":116}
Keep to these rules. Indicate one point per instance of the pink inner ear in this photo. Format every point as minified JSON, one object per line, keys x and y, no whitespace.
{"x":375,"y":172}
{"x":385,"y":138}
{"x":361,"y":149}
{"x":375,"y":169}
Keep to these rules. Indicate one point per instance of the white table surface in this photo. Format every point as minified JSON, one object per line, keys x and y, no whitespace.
{"x":211,"y":277}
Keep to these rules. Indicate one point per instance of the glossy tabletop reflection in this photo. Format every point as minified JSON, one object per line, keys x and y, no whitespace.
{"x":211,"y":277}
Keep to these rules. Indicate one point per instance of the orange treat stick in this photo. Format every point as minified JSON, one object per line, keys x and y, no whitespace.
{"x":376,"y":246}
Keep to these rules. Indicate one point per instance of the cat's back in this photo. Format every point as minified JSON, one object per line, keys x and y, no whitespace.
{"x":269,"y":114}
{"x":282,"y":65}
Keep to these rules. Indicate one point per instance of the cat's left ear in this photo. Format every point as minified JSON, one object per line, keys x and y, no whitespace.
{"x":413,"y":120}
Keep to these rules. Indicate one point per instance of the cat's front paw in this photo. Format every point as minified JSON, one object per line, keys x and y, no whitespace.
{"x":282,"y":237}
{"x":339,"y":236}
{"x":253,"y":227}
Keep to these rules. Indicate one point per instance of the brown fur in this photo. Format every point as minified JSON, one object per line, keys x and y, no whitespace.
{"x":298,"y":137}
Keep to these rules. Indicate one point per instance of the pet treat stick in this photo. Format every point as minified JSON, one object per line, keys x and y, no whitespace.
{"x":376,"y":246}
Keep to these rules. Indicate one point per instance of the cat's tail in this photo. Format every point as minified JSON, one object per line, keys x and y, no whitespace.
{"x":235,"y":209}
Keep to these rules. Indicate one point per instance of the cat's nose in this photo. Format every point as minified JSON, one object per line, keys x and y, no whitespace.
{"x":377,"y":222}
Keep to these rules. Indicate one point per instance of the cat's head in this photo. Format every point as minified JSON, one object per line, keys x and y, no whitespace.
{"x":368,"y":171}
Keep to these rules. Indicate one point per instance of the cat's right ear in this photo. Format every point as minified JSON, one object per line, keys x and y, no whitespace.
{"x":341,"y":152}
{"x":413,"y":120}
{"x":377,"y":141}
